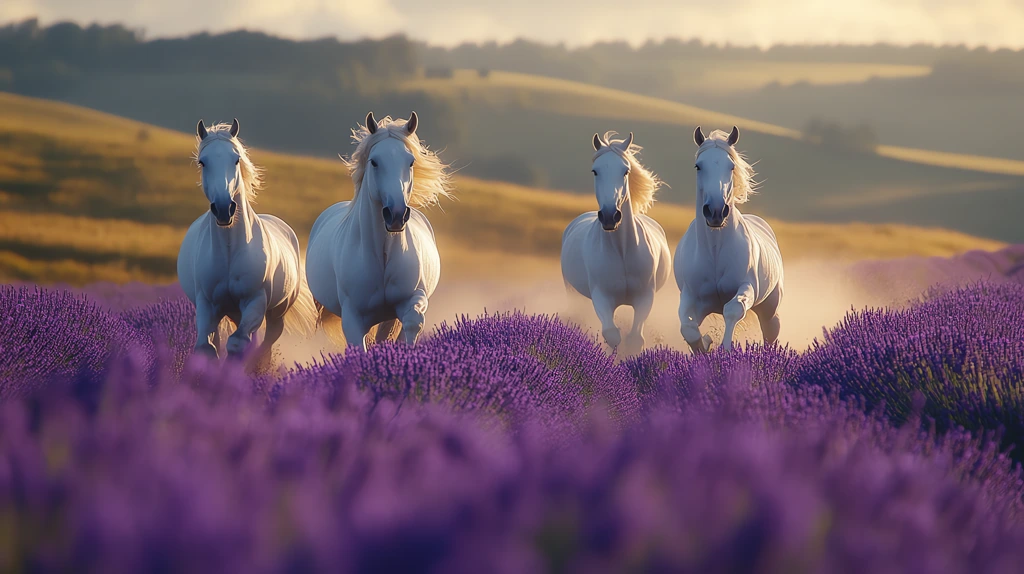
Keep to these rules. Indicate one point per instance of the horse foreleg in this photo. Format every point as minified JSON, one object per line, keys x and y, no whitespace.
{"x":412,"y":314}
{"x":641,"y":311}
{"x":689,"y":323}
{"x":206,"y":325}
{"x":605,"y":308}
{"x":735,"y":310}
{"x":354,"y":327}
{"x":253,"y":311}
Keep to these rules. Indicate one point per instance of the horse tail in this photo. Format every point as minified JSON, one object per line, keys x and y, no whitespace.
{"x":303,"y":315}
{"x":386,"y":331}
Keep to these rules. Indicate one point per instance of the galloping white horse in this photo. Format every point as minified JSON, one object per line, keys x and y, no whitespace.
{"x":373,"y":261}
{"x":234,"y":263}
{"x":617,"y":255}
{"x":727,"y":262}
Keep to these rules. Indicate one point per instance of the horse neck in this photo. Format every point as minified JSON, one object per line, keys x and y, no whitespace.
{"x":715,"y":238}
{"x":627,"y":233}
{"x":367,"y":220}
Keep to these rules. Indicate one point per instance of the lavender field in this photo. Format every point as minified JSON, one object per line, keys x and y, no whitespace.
{"x":512,"y":443}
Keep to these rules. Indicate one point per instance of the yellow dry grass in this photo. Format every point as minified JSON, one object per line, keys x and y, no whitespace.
{"x":580,"y":99}
{"x":83,"y":198}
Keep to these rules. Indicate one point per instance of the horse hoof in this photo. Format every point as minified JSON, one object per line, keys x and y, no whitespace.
{"x":207,"y":350}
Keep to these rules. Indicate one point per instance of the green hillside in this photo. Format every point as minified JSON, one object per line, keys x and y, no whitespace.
{"x":86,"y":196}
{"x":547,"y":122}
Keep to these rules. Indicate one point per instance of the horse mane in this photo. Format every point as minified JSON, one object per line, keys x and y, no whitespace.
{"x":743,"y":184}
{"x":643,"y":183}
{"x":431,"y":179}
{"x":252,"y":176}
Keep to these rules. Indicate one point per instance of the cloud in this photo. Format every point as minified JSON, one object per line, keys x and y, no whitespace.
{"x":575,"y":22}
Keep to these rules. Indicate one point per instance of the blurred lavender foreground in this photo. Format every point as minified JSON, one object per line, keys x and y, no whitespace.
{"x":511,"y":443}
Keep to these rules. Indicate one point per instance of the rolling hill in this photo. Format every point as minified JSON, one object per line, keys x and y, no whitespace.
{"x":804,"y":181}
{"x":86,"y":196}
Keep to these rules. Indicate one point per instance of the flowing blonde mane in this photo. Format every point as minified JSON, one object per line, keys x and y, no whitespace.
{"x":431,"y":179}
{"x":743,"y":184}
{"x":252,"y":176}
{"x":643,"y":183}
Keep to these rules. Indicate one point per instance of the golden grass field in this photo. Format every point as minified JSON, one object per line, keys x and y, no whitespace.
{"x":740,"y":75}
{"x":86,"y":196}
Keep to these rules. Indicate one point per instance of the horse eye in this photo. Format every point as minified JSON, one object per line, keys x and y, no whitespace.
{"x":201,"y":164}
{"x":593,"y":171}
{"x":373,"y":162}
{"x":412,"y":163}
{"x":697,"y":167}
{"x":237,"y":160}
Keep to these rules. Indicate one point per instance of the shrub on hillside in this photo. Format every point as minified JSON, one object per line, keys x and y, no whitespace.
{"x":170,"y":325}
{"x":48,"y":337}
{"x":961,"y":353}
{"x":205,"y":475}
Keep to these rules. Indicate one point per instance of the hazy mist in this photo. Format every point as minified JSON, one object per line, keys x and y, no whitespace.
{"x":995,"y":23}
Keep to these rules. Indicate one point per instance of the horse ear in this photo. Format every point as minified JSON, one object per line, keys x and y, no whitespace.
{"x":734,"y":136}
{"x":698,"y":136}
{"x":414,"y":121}
{"x":201,"y":130}
{"x":234,"y":128}
{"x":597,"y":142}
{"x":371,"y":123}
{"x":624,"y":145}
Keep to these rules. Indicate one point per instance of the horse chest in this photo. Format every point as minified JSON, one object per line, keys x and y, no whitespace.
{"x":380,"y":282}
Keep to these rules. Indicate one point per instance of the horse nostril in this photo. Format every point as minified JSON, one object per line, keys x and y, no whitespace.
{"x":213,"y":208}
{"x":707,"y":210}
{"x":386,"y":213}
{"x":408,"y":214}
{"x":725,"y":212}
{"x":231,"y":209}
{"x":600,"y":216}
{"x":618,"y":216}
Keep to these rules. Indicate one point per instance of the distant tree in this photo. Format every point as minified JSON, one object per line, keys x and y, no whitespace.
{"x":442,"y":72}
{"x":830,"y":134}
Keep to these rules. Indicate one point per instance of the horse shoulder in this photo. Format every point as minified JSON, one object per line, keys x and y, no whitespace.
{"x":421,"y":217}
{"x":761,"y":225}
{"x":583,"y":221}
{"x":188,"y":255}
{"x":330,"y":216}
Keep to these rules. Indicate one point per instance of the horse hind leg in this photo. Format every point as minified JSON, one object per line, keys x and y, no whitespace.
{"x":386,"y":331}
{"x":768,"y":316}
{"x":265,"y":354}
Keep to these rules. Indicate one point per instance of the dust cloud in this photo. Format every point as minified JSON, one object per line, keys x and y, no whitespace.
{"x":817,"y":295}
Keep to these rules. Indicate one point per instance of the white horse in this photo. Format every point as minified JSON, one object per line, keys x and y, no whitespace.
{"x":617,"y":255}
{"x":727,"y":262}
{"x":234,"y":263}
{"x":373,"y":261}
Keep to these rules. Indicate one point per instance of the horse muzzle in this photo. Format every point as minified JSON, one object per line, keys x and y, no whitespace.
{"x":716,"y":218}
{"x":395,"y":220}
{"x":610,"y":222}
{"x":224,"y":214}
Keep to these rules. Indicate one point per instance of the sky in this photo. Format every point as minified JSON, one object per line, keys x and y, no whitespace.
{"x":993,"y":23}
